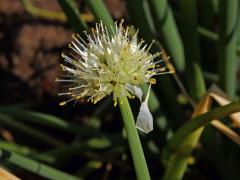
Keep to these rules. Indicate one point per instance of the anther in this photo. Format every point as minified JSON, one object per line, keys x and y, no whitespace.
{"x":152,"y":81}
{"x":62,"y":103}
{"x":62,"y":66}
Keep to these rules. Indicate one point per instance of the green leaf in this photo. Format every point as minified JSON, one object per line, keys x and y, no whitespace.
{"x":34,"y":166}
{"x":71,"y":10}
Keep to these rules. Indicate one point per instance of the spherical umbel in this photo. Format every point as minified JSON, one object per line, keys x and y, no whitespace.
{"x":108,"y":64}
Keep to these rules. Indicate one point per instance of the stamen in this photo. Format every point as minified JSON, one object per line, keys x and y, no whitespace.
{"x":152,"y":81}
{"x":65,"y":80}
{"x":63,"y":94}
{"x":77,"y":87}
{"x":65,"y":102}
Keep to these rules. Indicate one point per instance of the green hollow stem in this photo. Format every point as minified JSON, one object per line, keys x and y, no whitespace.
{"x":48,"y":120}
{"x":26,"y":151}
{"x":189,"y":29}
{"x":133,"y":140}
{"x":30,"y":131}
{"x":228,"y":13}
{"x":212,"y":36}
{"x":165,"y":23}
{"x":73,"y":15}
{"x":100,"y":11}
{"x":177,"y":164}
{"x":38,"y":12}
{"x":180,"y":146}
{"x":145,"y":23}
{"x":34,"y":166}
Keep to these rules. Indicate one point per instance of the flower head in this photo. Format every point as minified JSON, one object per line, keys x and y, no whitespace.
{"x":108,"y":64}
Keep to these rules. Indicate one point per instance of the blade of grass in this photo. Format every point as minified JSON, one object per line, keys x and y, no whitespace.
{"x":48,"y":14}
{"x":207,"y":20}
{"x":212,"y":36}
{"x":177,"y":150}
{"x":133,"y":140}
{"x":145,"y":23}
{"x":212,"y":78}
{"x":238,"y":29}
{"x":50,"y":120}
{"x":99,"y":10}
{"x":199,"y":121}
{"x":188,"y":14}
{"x":192,"y":51}
{"x":13,"y":147}
{"x":95,"y":143}
{"x":63,"y":154}
{"x":26,"y":151}
{"x":165,"y":23}
{"x":73,"y":15}
{"x":228,"y":14}
{"x":34,"y":166}
{"x":29,"y":131}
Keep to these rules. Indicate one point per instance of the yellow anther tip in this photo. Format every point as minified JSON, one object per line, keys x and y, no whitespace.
{"x":132,"y":97}
{"x":62,"y":66}
{"x":152,"y":81}
{"x":62,"y":103}
{"x":191,"y":160}
{"x":162,"y":69}
{"x":115,"y":103}
{"x":77,"y":97}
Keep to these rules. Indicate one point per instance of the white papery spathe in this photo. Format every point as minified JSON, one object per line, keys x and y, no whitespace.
{"x":145,"y":119}
{"x":137,"y":91}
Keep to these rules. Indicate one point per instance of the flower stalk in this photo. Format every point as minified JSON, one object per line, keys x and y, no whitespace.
{"x":133,"y":140}
{"x":114,"y":63}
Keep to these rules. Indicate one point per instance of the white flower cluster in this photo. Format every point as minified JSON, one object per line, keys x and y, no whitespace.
{"x":110,"y":64}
